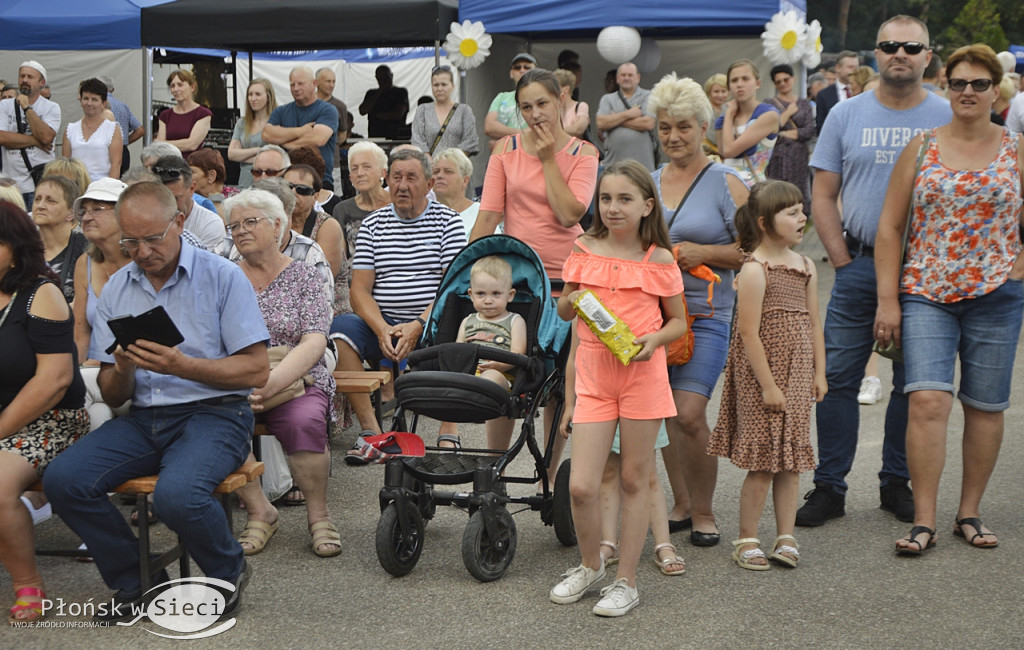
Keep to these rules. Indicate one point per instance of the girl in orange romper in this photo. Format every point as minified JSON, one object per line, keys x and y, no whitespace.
{"x":625,"y":259}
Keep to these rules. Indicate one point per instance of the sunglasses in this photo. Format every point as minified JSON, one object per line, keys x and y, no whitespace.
{"x":979,"y":85}
{"x":910,"y":47}
{"x":266,"y":172}
{"x":168,"y":174}
{"x":440,"y":68}
{"x":303,"y":190}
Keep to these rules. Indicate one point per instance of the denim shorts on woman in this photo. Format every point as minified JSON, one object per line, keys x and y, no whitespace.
{"x":710,"y":350}
{"x":984,"y":331}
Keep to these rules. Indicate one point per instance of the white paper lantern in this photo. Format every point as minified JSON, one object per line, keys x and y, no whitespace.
{"x":648,"y":58}
{"x":1008,"y":60}
{"x":618,"y":44}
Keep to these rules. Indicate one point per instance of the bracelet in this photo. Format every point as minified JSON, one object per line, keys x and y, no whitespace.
{"x":422,"y":322}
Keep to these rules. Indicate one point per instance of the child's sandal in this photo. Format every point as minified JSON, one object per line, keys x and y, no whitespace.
{"x":664,"y":564}
{"x":785,"y":554}
{"x":744,"y":559}
{"x":30,"y":600}
{"x":611,"y":559}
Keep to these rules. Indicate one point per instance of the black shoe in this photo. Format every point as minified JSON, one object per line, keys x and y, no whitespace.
{"x":233,"y":598}
{"x":679,"y":525}
{"x":822,"y":504}
{"x":698,"y":538}
{"x":897,"y":498}
{"x":128,"y":606}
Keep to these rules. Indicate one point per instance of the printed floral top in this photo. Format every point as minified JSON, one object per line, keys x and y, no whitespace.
{"x":965,"y":232}
{"x":294,"y":304}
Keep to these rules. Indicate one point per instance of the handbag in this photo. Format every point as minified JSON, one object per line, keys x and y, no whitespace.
{"x":893,"y":351}
{"x":295,"y":389}
{"x":36,"y":173}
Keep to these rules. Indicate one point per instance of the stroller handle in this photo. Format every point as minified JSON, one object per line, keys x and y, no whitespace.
{"x":417,"y":357}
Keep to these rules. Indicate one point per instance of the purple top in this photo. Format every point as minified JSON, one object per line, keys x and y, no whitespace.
{"x":178,"y":126}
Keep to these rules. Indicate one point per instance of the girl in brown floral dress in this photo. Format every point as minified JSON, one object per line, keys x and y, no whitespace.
{"x":775,"y":371}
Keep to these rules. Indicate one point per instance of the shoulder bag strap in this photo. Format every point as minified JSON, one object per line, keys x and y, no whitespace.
{"x":910,"y":209}
{"x":22,"y":128}
{"x":687,"y":195}
{"x":444,"y":127}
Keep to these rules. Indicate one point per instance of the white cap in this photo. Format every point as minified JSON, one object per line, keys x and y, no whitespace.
{"x":35,"y":65}
{"x":105,"y":189}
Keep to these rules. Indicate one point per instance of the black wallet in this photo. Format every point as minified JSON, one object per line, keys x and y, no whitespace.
{"x":154,"y":325}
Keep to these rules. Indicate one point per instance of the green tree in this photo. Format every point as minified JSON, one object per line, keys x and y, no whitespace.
{"x":977,"y":22}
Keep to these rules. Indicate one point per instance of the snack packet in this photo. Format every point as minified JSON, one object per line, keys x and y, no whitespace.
{"x":607,"y":327}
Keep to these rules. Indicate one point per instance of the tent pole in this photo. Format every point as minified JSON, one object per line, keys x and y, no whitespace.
{"x":437,"y":52}
{"x":147,"y":93}
{"x":234,"y":79}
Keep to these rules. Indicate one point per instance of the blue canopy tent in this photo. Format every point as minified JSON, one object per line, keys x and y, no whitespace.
{"x":72,"y":24}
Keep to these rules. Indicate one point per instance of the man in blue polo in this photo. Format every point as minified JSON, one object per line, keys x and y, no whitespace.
{"x":190,"y":420}
{"x":307,"y":121}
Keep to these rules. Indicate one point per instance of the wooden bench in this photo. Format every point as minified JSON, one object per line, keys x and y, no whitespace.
{"x":367,"y":381}
{"x":142,"y":487}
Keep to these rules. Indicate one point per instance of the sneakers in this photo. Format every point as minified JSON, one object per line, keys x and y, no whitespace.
{"x":870,"y":391}
{"x":617,"y":599}
{"x":576,"y":582}
{"x":822,"y":504}
{"x":897,"y":498}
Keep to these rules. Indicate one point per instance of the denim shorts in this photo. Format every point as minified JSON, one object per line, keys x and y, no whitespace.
{"x":710,"y":350}
{"x":353,"y":330}
{"x":984,"y":331}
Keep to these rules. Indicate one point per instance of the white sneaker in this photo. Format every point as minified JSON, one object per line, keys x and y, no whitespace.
{"x":617,"y":599}
{"x":870,"y":391}
{"x":577,"y":581}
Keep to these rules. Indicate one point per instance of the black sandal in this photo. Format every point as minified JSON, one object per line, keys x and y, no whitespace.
{"x":975,"y":523}
{"x":912,"y":538}
{"x":447,"y":437}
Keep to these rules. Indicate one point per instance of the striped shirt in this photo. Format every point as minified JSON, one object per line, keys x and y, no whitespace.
{"x":408,"y":257}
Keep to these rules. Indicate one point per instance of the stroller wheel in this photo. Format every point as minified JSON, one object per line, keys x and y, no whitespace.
{"x":398,"y":553}
{"x":488,"y":558}
{"x":561,"y":508}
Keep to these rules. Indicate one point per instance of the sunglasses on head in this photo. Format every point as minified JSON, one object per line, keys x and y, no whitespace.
{"x":910,"y":47}
{"x":979,"y":85}
{"x":167,"y":174}
{"x":441,"y":68}
{"x":304,"y":190}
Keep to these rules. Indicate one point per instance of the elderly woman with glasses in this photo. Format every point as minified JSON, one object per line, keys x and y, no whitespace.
{"x":298,"y":316}
{"x":444,"y":123}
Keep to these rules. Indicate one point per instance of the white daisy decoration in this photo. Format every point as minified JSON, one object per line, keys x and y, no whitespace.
{"x":812,"y":44}
{"x":782,"y":38}
{"x":467,"y":44}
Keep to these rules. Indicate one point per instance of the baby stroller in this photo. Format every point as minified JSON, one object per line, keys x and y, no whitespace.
{"x":441,"y":385}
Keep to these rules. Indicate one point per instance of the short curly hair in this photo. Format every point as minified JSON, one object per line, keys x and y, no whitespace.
{"x":681,"y":99}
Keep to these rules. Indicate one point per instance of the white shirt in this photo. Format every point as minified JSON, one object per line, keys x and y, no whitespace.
{"x":841,"y":90}
{"x":14,"y":163}
{"x":1015,"y":118}
{"x":207,"y":226}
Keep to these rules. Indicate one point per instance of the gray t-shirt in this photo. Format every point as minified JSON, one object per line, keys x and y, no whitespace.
{"x":623,"y":143}
{"x":861,"y":140}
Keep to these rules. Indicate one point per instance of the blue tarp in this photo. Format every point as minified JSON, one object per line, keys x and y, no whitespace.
{"x":72,"y":24}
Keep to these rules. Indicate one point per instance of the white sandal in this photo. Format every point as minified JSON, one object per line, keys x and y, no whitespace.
{"x":784,"y":553}
{"x":744,"y":559}
{"x":613,"y":558}
{"x":664,"y":564}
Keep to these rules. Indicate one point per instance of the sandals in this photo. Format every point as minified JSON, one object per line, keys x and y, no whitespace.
{"x":289,"y":498}
{"x":665,"y":563}
{"x":27,"y":599}
{"x":257,"y":533}
{"x":744,"y":559}
{"x":912,"y":538}
{"x":325,"y":532}
{"x":975,"y":523}
{"x":455,"y":441}
{"x":612,"y":558}
{"x":785,"y":554}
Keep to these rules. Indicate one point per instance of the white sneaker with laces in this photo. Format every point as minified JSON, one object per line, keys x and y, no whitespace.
{"x":617,"y":599}
{"x":576,"y":582}
{"x":870,"y":391}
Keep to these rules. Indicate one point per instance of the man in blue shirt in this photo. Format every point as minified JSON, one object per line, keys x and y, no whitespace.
{"x":190,"y":420}
{"x":131,"y":127}
{"x":306,"y":121}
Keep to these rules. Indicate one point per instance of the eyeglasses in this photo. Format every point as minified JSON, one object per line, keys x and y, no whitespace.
{"x":96,"y":209}
{"x":151,"y":241}
{"x":303,"y":190}
{"x":266,"y":172}
{"x":910,"y":47}
{"x":979,"y":85}
{"x":168,"y":174}
{"x":245,"y":225}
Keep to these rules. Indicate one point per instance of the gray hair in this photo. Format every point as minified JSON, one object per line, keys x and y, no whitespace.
{"x":412,"y":154}
{"x":302,"y":68}
{"x":280,"y":188}
{"x":364,"y":146}
{"x":681,"y":99}
{"x":816,"y":77}
{"x":273,"y":147}
{"x":264,"y":202}
{"x":138,"y":174}
{"x":158,"y":150}
{"x":108,"y":82}
{"x":457,"y":158}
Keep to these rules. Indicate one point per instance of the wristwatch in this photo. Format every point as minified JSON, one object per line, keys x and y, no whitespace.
{"x":29,"y":108}
{"x":422,"y":322}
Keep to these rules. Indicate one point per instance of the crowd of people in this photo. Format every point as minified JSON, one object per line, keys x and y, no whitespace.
{"x":915,"y":193}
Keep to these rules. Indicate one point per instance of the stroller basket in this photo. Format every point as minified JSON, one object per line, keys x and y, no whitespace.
{"x":447,"y":468}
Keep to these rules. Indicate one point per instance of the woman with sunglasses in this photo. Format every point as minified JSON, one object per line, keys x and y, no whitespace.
{"x":186,"y":124}
{"x":938,"y":303}
{"x":444,"y":123}
{"x":247,"y":138}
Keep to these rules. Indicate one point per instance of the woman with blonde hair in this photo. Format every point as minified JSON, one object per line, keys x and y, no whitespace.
{"x":186,"y":124}
{"x":247,"y":138}
{"x":575,"y":115}
{"x":69,"y":168}
{"x":717,"y":89}
{"x":859,"y":79}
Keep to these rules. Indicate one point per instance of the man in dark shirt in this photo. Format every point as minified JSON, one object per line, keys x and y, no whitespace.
{"x":386,"y":106}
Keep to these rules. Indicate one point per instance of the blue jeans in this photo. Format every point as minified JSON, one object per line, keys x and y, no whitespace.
{"x":192,"y":447}
{"x":849,"y":336}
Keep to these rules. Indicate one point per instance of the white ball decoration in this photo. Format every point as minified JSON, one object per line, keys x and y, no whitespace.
{"x":648,"y":58}
{"x":618,"y":44}
{"x":1008,"y":60}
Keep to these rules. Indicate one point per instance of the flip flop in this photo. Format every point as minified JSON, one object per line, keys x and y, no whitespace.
{"x":912,"y":538}
{"x":287,"y":500}
{"x":257,"y":533}
{"x":975,"y":523}
{"x":325,"y":532}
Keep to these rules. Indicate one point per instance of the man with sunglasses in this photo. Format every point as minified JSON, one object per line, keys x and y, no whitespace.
{"x":306,"y":121}
{"x":853,"y":160}
{"x":190,"y":420}
{"x":270,"y":161}
{"x":207,"y":225}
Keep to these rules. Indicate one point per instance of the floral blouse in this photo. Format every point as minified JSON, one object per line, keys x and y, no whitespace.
{"x":294,"y":304}
{"x":965,"y":230}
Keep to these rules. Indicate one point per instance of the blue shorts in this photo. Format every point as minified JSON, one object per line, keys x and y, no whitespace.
{"x":984,"y":331}
{"x":710,"y":350}
{"x":353,"y":330}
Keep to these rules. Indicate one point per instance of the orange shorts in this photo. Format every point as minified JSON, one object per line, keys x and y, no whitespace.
{"x":607,"y":390}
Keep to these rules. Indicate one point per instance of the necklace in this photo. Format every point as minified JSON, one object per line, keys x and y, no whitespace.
{"x":260,"y":285}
